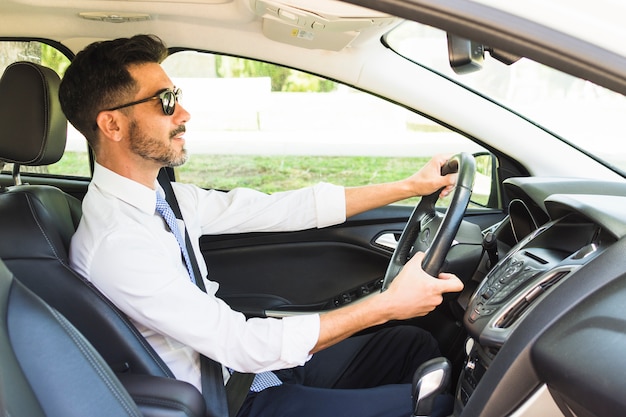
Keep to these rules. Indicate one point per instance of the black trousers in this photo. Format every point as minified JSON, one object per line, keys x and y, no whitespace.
{"x":365,"y":376}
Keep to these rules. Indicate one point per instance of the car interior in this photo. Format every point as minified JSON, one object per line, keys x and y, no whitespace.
{"x":538,"y":329}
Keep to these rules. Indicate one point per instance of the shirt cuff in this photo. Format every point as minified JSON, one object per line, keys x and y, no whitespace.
{"x":330,"y":204}
{"x":300,"y":334}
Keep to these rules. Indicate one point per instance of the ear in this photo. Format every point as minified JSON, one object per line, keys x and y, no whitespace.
{"x":111,"y":125}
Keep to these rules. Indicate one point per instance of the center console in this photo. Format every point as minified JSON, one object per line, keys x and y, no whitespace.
{"x":537,"y":263}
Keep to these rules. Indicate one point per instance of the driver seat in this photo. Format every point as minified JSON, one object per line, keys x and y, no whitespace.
{"x":76,"y":383}
{"x":37,"y":222}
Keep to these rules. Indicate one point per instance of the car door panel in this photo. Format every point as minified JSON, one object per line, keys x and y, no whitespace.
{"x":316,"y":269}
{"x":310,"y":270}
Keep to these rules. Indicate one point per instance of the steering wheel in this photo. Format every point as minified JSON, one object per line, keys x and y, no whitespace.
{"x":430,"y":231}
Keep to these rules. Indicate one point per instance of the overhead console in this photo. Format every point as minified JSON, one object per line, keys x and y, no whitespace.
{"x":334,"y":28}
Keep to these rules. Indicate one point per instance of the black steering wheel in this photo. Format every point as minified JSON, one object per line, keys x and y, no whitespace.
{"x":430,"y":231}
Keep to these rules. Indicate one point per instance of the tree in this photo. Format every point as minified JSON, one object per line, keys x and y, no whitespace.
{"x":283,"y":79}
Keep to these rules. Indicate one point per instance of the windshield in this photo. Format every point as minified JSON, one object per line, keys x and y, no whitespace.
{"x":584,"y":114}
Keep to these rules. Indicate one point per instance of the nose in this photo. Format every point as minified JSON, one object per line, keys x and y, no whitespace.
{"x":180,"y":114}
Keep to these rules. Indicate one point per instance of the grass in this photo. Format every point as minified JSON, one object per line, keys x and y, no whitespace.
{"x":72,"y":163}
{"x":277,"y":173}
{"x":269,"y":173}
{"x":266,"y":173}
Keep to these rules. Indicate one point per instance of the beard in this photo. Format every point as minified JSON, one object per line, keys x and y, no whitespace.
{"x":153,"y":149}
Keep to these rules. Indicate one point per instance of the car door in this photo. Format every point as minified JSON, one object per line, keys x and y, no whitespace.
{"x":272,"y":128}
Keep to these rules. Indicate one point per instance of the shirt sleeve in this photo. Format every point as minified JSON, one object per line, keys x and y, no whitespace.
{"x":245,"y":210}
{"x":155,"y":290}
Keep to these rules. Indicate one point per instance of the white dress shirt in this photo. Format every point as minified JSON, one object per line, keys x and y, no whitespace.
{"x":124,"y":247}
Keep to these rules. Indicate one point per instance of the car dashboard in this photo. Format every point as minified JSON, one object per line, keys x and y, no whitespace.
{"x":539,"y":328}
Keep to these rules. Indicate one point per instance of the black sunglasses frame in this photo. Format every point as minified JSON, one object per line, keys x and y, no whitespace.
{"x":169,"y":97}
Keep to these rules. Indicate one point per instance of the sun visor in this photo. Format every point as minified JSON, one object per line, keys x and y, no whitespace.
{"x":331,"y":26}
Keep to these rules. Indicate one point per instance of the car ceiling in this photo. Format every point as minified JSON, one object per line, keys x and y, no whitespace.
{"x":233,"y":27}
{"x":71,"y":21}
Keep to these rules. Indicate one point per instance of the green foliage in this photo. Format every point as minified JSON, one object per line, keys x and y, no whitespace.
{"x":33,"y":51}
{"x":302,"y":82}
{"x":283,"y":79}
{"x":54,"y":59}
{"x":72,"y":163}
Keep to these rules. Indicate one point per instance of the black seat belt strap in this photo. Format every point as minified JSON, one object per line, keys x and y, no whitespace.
{"x":237,"y":389}
{"x":220,"y":401}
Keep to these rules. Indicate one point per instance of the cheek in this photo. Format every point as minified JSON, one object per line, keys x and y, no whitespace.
{"x":154,"y":129}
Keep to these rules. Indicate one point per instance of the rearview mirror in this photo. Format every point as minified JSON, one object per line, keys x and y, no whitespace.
{"x":467,"y":56}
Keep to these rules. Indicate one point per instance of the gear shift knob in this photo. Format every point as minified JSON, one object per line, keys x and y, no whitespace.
{"x":430,"y":379}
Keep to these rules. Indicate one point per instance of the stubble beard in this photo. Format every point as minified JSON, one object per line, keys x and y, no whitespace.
{"x":152,"y":149}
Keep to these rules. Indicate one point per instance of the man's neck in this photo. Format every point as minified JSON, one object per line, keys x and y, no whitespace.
{"x":144,"y":173}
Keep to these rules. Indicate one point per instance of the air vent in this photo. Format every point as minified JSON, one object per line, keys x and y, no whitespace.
{"x":522,"y":304}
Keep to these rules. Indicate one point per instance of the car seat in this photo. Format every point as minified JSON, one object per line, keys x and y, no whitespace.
{"x":38,"y":221}
{"x":47,"y":368}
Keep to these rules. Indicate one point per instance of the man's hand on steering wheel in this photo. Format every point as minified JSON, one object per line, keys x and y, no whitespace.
{"x":428,"y":230}
{"x":429,"y":179}
{"x":416,"y":293}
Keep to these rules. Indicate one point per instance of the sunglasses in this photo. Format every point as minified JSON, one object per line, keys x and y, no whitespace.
{"x":168,"y":98}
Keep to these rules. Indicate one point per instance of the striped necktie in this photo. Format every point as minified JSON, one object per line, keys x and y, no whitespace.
{"x":261,"y":381}
{"x":166,"y":212}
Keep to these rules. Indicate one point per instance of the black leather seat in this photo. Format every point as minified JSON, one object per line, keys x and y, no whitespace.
{"x":46,"y":367}
{"x":38,"y":221}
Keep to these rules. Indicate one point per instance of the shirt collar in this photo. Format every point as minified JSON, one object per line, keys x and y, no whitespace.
{"x":125,"y":189}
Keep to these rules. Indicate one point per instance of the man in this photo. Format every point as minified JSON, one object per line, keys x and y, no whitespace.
{"x":117,"y":94}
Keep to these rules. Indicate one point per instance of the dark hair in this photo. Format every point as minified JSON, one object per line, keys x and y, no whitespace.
{"x":98,"y":78}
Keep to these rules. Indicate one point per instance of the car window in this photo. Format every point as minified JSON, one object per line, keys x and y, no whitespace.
{"x":75,"y":161}
{"x":272,"y":128}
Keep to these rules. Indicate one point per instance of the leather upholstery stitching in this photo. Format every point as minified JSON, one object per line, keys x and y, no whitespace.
{"x":139,"y":337}
{"x":96,"y":364}
{"x":29,"y":200}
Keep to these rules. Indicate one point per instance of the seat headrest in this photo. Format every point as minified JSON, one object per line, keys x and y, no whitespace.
{"x":33,"y":128}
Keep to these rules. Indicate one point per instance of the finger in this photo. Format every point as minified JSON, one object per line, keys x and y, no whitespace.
{"x":446,"y":190}
{"x":442,"y":159}
{"x":450,"y":282}
{"x":418,"y":257}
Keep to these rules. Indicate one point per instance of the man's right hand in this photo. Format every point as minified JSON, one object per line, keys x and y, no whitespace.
{"x":412,"y":293}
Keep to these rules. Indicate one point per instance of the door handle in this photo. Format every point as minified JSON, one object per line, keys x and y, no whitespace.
{"x":387,"y":240}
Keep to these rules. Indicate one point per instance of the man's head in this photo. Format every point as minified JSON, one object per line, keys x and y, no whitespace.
{"x":117,"y":90}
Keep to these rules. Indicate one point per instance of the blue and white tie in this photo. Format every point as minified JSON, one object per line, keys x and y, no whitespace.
{"x":261,"y":381}
{"x":164,"y":209}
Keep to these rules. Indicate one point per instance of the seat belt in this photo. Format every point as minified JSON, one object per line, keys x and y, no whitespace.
{"x":221,"y":401}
